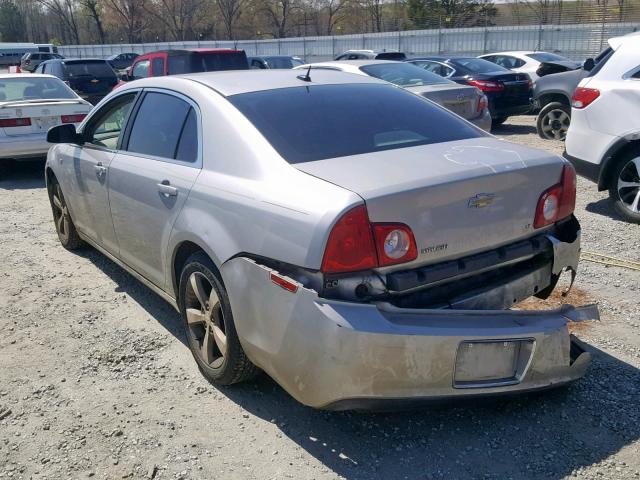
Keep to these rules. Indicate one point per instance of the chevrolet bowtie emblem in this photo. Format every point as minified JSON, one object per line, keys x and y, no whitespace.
{"x":481,"y":200}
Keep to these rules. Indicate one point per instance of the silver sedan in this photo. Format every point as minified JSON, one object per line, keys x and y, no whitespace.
{"x":464,"y":100}
{"x":354,"y":241}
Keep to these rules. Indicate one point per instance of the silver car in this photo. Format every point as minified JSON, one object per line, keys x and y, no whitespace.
{"x":358,"y":243}
{"x":465,"y":100}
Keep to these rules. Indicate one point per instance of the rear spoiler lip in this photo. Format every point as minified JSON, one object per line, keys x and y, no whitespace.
{"x":18,"y":104}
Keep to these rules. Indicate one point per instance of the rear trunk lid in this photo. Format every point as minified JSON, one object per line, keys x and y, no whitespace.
{"x":458,"y":198}
{"x":42,"y":114}
{"x":460,"y":99}
{"x":517,"y":88}
{"x":90,"y":77}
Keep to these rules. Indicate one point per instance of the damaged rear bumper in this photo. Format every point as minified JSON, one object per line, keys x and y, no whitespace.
{"x":336,"y":354}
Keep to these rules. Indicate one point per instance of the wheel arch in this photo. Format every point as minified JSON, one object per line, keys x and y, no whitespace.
{"x":180,"y":254}
{"x":621,"y":147}
{"x":555,"y":96}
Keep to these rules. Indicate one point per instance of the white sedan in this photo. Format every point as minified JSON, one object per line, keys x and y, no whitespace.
{"x":29,"y":106}
{"x":528,"y":61}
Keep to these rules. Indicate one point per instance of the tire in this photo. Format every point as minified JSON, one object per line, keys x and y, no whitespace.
{"x":208,"y":323}
{"x":66,"y":230}
{"x":553,"y":121}
{"x":498,"y":121}
{"x":626,"y":197}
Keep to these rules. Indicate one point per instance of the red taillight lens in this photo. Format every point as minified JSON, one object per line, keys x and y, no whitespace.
{"x":355,"y":244}
{"x":15,"y":122}
{"x":583,"y":97}
{"x":395,"y":244}
{"x":350,"y":246}
{"x":482,"y":103}
{"x":486,"y":85}
{"x":73,"y":118}
{"x":557,"y":202}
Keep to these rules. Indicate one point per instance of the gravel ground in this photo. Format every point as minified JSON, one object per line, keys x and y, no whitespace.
{"x":96,"y":380}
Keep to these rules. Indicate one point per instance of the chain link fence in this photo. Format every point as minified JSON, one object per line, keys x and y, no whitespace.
{"x":576,"y":30}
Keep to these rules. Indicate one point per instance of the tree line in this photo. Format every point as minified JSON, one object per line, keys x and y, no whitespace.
{"x":134,"y":21}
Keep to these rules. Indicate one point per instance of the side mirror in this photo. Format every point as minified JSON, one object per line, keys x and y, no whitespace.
{"x":125,"y":77}
{"x":588,"y":64}
{"x":65,"y":133}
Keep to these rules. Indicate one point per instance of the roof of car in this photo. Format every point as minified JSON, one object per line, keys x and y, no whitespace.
{"x":513,"y":52}
{"x":193,"y":50}
{"x":355,"y":63}
{"x":235,"y":82}
{"x":633,"y":39}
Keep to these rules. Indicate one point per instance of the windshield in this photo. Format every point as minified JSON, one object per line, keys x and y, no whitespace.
{"x":311,"y":123}
{"x":547,"y":57}
{"x":403,"y":74}
{"x":98,"y":68}
{"x":478,"y":65}
{"x":14,"y":89}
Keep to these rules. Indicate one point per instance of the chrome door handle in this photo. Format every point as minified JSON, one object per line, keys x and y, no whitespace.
{"x":100,"y":169}
{"x":166,"y":189}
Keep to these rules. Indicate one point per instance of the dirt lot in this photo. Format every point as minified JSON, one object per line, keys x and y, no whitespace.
{"x":96,"y":380}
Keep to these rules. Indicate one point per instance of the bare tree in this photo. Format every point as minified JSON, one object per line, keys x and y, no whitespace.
{"x":374,"y":12}
{"x":230,"y":11}
{"x":178,"y":16}
{"x":65,"y":12}
{"x":94,"y":10}
{"x":279,"y":13}
{"x":131,"y":14}
{"x":332,"y":10}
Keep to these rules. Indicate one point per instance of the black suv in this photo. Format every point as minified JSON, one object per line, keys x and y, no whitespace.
{"x":31,"y":60}
{"x":92,"y":79}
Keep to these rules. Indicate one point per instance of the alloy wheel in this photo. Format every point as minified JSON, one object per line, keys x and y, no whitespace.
{"x":60,"y":214}
{"x":555,"y":124}
{"x":205,"y":320}
{"x":629,"y":185}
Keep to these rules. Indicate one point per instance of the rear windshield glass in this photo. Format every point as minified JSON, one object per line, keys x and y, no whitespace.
{"x":207,"y":62}
{"x":403,"y":74}
{"x":547,"y":57}
{"x":282,"y":62}
{"x":478,"y":65}
{"x":14,"y":89}
{"x":391,"y":56}
{"x":83,"y":69}
{"x":326,"y":121}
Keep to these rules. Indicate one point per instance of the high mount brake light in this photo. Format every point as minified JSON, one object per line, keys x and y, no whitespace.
{"x":557,"y":202}
{"x":355,"y":244}
{"x":583,"y":97}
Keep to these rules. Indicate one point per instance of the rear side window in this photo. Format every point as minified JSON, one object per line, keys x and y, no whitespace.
{"x":311,"y":123}
{"x":391,"y":56}
{"x":158,"y":125}
{"x":88,"y":69}
{"x":478,"y":65}
{"x":188,"y":144}
{"x":403,"y":74}
{"x":157,"y":67}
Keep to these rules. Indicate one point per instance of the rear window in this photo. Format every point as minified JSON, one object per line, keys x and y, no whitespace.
{"x":311,"y":123}
{"x":601,"y":61}
{"x":207,"y":62}
{"x":282,"y":62}
{"x":391,"y":56}
{"x":95,"y":68}
{"x":478,"y":65}
{"x":15,"y":89}
{"x":403,"y":74}
{"x":547,"y":57}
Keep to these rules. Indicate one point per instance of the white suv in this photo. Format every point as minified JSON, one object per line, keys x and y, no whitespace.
{"x":603,"y":141}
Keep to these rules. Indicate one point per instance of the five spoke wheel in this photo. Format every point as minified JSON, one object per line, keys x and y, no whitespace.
{"x":555,"y":124}
{"x":60,"y":214}
{"x":629,"y":185}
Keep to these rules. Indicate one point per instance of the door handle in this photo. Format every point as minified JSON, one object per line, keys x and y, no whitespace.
{"x":100,"y":169}
{"x":166,"y":189}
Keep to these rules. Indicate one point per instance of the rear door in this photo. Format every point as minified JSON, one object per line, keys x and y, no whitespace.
{"x":150,"y":181}
{"x":158,"y":66}
{"x":86,"y":171}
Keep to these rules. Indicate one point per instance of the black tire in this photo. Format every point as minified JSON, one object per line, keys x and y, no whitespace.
{"x":232,"y":365}
{"x":626,"y":168}
{"x":65,"y":228}
{"x":498,"y":121}
{"x":553,"y":121}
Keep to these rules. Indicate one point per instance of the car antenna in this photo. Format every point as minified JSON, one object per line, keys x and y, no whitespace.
{"x":306,"y":77}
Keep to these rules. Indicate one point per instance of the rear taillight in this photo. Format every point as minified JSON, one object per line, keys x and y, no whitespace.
{"x":557,"y":202}
{"x":583,"y":97}
{"x":355,"y":244}
{"x":487,"y":85}
{"x":73,"y":118}
{"x":14,"y":122}
{"x":483,"y":103}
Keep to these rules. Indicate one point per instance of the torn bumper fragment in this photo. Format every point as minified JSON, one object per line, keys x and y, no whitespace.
{"x":334,"y":354}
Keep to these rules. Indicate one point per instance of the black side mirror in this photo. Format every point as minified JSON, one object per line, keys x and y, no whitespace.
{"x":125,"y":77}
{"x":588,"y":64}
{"x":65,"y":133}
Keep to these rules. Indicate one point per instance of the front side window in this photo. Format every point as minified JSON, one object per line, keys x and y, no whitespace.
{"x":403,"y":74}
{"x":158,"y":125}
{"x":310,"y":123}
{"x":141,"y":70}
{"x":106,"y":127}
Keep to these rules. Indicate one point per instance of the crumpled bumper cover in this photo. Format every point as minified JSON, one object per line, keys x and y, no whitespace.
{"x":333,"y":354}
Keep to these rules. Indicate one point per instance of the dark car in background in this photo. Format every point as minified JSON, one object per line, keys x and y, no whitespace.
{"x":265,"y":62}
{"x":91,"y":78}
{"x":509,"y":93}
{"x":371,"y":55}
{"x":122,"y":61}
{"x":31,"y":60}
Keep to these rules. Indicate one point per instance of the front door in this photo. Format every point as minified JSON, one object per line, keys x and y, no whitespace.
{"x":151,"y":179}
{"x":86,"y":169}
